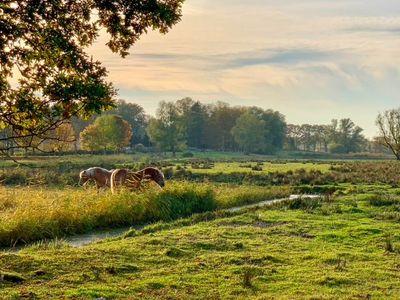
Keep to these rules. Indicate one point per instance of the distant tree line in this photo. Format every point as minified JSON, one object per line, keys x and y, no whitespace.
{"x":189,"y":124}
{"x":221,"y":127}
{"x":341,"y":136}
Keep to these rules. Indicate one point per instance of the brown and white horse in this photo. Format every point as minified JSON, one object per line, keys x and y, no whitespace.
{"x":101,"y":177}
{"x":134,"y":180}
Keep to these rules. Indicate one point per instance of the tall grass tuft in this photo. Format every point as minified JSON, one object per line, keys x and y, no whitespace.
{"x":231,"y":196}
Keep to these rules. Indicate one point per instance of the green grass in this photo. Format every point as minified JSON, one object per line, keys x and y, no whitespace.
{"x":32,"y":213}
{"x":346,"y":246}
{"x":267,"y":167}
{"x":333,"y":249}
{"x":76,"y":161}
{"x":63,"y":171}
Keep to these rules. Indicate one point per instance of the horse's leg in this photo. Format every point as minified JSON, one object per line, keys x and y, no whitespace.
{"x":86,"y":183}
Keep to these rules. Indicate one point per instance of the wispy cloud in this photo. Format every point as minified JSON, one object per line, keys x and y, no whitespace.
{"x":313,"y":59}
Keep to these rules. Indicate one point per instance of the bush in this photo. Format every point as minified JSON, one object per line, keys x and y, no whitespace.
{"x":187,"y":154}
{"x":337,"y":148}
{"x":257,"y":168}
{"x":140,"y":148}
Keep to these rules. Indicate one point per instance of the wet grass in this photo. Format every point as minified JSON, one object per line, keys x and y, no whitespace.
{"x":334,"y":248}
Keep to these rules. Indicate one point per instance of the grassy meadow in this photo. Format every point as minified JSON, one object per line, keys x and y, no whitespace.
{"x":256,"y":167}
{"x":342,"y":248}
{"x":345,"y":245}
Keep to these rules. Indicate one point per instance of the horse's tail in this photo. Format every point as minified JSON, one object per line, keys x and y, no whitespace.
{"x":112,"y":180}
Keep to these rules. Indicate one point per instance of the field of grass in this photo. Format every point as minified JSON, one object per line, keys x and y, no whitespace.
{"x":63,"y":171}
{"x":263,"y":168}
{"x":35,"y":213}
{"x":77,"y":161}
{"x":343,"y":246}
{"x":347,"y":247}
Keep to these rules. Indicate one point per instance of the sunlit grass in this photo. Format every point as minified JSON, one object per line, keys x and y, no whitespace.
{"x":336,"y":249}
{"x":267,"y":167}
{"x":32,"y":213}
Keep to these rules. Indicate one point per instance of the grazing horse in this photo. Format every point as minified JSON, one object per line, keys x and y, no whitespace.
{"x":102,"y":177}
{"x":134,"y":180}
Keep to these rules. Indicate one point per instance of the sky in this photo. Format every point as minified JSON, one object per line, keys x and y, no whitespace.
{"x":312,"y":60}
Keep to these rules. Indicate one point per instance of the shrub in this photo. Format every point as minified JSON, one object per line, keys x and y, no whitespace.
{"x":249,"y":273}
{"x":257,"y":168}
{"x":187,"y":154}
{"x":388,"y":244}
{"x":337,"y":148}
{"x":141,"y":148}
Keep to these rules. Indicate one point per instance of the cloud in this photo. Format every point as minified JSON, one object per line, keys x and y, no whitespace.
{"x":280,"y":56}
{"x":313,"y":59}
{"x":390,"y":25}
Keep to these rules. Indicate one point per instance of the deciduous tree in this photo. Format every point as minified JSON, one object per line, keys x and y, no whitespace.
{"x":249,"y":132}
{"x":61,"y":139}
{"x":167,"y":131}
{"x":108,"y":132}
{"x":46,"y":75}
{"x":388,"y":123}
{"x":221,"y":121}
{"x":134,"y":114}
{"x":346,"y":137}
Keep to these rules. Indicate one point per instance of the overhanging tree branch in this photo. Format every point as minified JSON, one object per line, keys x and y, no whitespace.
{"x":43,"y":44}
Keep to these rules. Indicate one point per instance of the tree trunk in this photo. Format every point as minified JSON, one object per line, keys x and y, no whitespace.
{"x":173,"y":151}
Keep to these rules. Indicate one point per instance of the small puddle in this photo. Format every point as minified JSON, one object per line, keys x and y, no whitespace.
{"x":95,"y":236}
